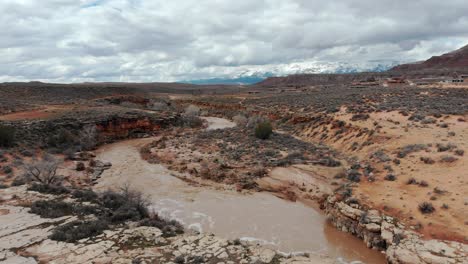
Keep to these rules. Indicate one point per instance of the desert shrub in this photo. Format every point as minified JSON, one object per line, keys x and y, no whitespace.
{"x":179,"y":259}
{"x":428,"y":120}
{"x":390,"y":177}
{"x":253,"y":121}
{"x":411,"y":181}
{"x":128,"y":212}
{"x":427,"y":160}
{"x":80,"y":166}
{"x":357,"y":117}
{"x":112,"y":200}
{"x":196,"y":260}
{"x":169,"y":228}
{"x":62,"y":140}
{"x":126,"y":205}
{"x":3,"y":186}
{"x":437,"y":190}
{"x":18,"y":181}
{"x":353,"y":175}
{"x":192,"y":121}
{"x":7,"y":169}
{"x":7,"y":136}
{"x":51,"y":209}
{"x":54,"y":209}
{"x":48,"y":188}
{"x":448,"y":159}
{"x":345,"y":192}
{"x":426,"y":208}
{"x":459,"y":152}
{"x":423,"y":184}
{"x":160,"y":106}
{"x":381,"y":156}
{"x":410,"y":149}
{"x":240,"y":120}
{"x":192,"y":110}
{"x":263,"y":130}
{"x":86,"y":195}
{"x":445,"y":147}
{"x":77,"y":230}
{"x":445,"y":206}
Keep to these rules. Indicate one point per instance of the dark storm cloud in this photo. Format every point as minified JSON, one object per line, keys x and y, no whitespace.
{"x":146,"y":40}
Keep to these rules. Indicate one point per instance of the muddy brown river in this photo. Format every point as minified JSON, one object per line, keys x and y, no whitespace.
{"x":286,"y":226}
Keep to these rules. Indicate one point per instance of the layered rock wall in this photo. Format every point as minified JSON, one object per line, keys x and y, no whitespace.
{"x":385,"y":233}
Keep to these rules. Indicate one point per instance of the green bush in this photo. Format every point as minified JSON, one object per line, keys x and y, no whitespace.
{"x":7,"y":136}
{"x":263,"y":130}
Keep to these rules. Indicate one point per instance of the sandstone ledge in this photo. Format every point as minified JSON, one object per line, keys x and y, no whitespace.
{"x":384,"y":233}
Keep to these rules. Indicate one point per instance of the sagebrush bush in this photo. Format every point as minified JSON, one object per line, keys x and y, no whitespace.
{"x":77,"y":230}
{"x":412,"y":181}
{"x":448,"y":159}
{"x":426,"y":208}
{"x":7,"y":136}
{"x":85,"y":195}
{"x":240,"y":120}
{"x":48,"y":188}
{"x":423,"y":184}
{"x":263,"y":130}
{"x":51,"y":209}
{"x":126,"y":205}
{"x":354,"y":175}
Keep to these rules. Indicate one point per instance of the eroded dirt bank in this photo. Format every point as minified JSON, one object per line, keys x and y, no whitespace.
{"x":283,"y":225}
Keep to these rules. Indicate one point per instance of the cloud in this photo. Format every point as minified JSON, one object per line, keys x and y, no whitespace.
{"x":155,"y":40}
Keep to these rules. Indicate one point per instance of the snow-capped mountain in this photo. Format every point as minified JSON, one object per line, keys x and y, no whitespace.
{"x":248,"y":74}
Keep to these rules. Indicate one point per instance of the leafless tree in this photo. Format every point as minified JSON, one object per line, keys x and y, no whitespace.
{"x":88,"y":137}
{"x":44,"y":171}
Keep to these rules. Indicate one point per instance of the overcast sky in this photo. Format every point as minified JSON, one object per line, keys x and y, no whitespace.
{"x":173,"y":40}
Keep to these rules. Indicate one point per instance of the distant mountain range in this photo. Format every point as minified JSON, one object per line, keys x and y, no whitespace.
{"x":255,"y":74}
{"x":457,"y":59}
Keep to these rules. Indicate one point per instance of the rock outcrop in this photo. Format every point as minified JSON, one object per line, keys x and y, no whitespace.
{"x":24,"y":238}
{"x":109,"y":126}
{"x":385,"y":233}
